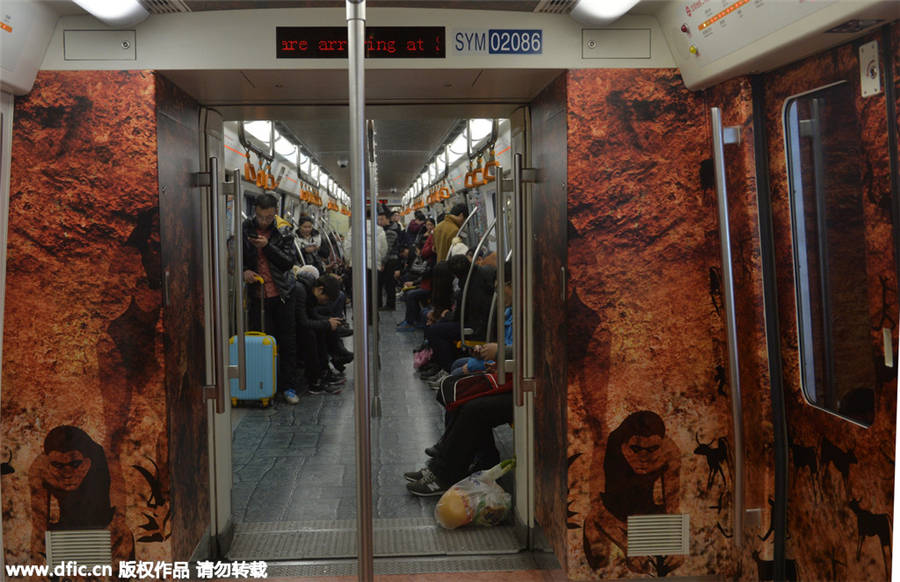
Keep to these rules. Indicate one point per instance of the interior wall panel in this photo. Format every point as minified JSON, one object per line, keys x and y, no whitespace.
{"x":181,"y":246}
{"x":649,"y":427}
{"x":839,"y":502}
{"x":548,"y":123}
{"x":83,"y":412}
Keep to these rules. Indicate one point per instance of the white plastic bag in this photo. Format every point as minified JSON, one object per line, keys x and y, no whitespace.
{"x":476,"y":499}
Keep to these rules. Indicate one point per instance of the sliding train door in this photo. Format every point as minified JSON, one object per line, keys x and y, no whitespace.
{"x":834,"y":228}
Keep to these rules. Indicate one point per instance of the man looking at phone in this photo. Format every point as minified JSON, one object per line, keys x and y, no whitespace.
{"x":312,"y":331}
{"x":268,"y":251}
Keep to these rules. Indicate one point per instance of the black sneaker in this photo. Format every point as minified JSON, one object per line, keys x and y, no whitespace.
{"x":414,"y":475}
{"x":315,"y":388}
{"x":342,"y":359}
{"x":331,"y":378}
{"x":427,"y":486}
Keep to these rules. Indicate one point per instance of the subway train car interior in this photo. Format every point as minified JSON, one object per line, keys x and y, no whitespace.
{"x":449,"y":290}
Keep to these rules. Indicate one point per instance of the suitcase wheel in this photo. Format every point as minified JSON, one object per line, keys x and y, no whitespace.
{"x":234,"y":402}
{"x":265,"y":402}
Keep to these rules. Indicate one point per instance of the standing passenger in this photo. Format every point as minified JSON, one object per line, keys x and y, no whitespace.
{"x":448,"y":229}
{"x":381,"y":250}
{"x":387,"y":284}
{"x":268,"y":249}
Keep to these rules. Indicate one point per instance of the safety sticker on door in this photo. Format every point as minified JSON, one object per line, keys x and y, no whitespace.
{"x":498,"y":42}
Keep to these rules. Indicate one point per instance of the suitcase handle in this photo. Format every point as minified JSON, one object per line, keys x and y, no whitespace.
{"x":262,"y":333}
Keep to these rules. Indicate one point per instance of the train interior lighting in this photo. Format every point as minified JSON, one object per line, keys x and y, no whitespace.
{"x":116,"y":12}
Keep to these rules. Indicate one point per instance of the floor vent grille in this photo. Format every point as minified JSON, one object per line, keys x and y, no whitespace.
{"x":658,"y":535}
{"x":90,"y":547}
{"x":165,"y":6}
{"x":555,"y":6}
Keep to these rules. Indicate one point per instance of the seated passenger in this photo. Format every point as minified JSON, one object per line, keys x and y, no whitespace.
{"x":417,"y":291}
{"x":484,"y":357}
{"x":467,"y":445}
{"x":312,"y":331}
{"x":443,"y":334}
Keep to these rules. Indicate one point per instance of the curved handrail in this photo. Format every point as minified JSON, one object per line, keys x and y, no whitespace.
{"x":462,"y":303}
{"x":463,"y":225}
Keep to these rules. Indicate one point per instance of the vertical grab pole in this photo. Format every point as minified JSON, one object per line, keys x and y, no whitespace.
{"x":501,"y":277}
{"x":719,"y":140}
{"x":518,"y":286}
{"x":356,"y":25}
{"x":215,"y":377}
{"x":239,"y":283}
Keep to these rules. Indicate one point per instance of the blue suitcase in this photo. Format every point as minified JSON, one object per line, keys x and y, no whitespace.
{"x":262,"y":363}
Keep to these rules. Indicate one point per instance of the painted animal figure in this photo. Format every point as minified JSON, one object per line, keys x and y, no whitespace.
{"x":831,"y":453}
{"x":872,"y":524}
{"x":715,"y":457}
{"x":765,"y":569}
{"x":805,"y":457}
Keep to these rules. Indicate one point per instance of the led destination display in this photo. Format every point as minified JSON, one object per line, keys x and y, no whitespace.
{"x":381,"y":42}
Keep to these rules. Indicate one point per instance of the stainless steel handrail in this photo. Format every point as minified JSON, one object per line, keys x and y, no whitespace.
{"x":719,"y":140}
{"x":465,"y":293}
{"x":240,"y":331}
{"x":218,"y":376}
{"x":356,"y":24}
{"x":518,"y":323}
{"x":501,"y":277}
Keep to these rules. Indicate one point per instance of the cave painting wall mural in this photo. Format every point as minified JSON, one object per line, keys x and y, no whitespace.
{"x":90,"y":380}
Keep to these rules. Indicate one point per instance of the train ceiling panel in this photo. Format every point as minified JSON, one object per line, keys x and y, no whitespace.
{"x":383,"y":86}
{"x":402,"y":146}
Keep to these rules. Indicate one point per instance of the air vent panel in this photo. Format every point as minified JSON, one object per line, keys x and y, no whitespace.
{"x":658,"y":535}
{"x":555,"y":6}
{"x":164,"y":6}
{"x":89,"y":547}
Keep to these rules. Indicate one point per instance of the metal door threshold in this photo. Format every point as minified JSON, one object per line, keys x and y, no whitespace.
{"x":387,"y":566}
{"x":305,"y":540}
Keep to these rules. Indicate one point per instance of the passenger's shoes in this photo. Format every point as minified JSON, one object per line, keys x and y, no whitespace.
{"x":427,"y":486}
{"x":413,"y":476}
{"x":290,"y":397}
{"x":342,"y":359}
{"x":403,"y":326}
{"x":332,"y":378}
{"x":432,"y":452}
{"x":316,"y":388}
{"x":343,"y":330}
{"x":436,"y":382}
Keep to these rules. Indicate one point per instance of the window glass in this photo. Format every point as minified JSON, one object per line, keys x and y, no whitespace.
{"x":839,"y":342}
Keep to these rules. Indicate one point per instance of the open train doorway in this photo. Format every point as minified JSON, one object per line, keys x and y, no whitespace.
{"x":286,"y":481}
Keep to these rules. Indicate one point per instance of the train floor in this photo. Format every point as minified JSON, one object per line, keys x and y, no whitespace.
{"x":294,"y":480}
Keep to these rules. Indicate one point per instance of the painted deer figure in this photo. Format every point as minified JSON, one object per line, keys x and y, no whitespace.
{"x":831,"y":453}
{"x":714,"y":458}
{"x":872,"y":524}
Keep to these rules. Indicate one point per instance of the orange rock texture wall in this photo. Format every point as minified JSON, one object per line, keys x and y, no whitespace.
{"x":86,"y":432}
{"x":823,"y":529}
{"x":649,"y":428}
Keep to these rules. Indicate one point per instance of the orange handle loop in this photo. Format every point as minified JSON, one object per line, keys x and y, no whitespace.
{"x":487,"y":176}
{"x":476,"y":177}
{"x":249,"y":172}
{"x":271,"y":184}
